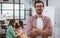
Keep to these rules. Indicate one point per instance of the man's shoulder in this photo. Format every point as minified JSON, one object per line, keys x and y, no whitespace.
{"x":31,"y":18}
{"x":46,"y":17}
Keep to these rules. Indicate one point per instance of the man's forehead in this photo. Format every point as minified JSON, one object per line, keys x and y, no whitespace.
{"x":39,"y":4}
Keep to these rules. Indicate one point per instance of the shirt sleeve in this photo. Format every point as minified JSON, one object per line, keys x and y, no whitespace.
{"x":48,"y":28}
{"x":29,"y":26}
{"x":8,"y":35}
{"x":12,"y":32}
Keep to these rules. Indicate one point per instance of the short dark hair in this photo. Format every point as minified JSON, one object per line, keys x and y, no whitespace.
{"x":38,"y":1}
{"x":12,"y":22}
{"x":21,"y":23}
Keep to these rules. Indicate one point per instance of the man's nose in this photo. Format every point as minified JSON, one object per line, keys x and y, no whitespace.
{"x":39,"y":7}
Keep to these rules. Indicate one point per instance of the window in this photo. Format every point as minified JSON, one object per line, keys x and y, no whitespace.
{"x":0,"y":8}
{"x":22,"y":6}
{"x":7,"y":6}
{"x":7,"y":9}
{"x":16,"y":6}
{"x":16,"y":1}
{"x":9,"y":14}
{"x":16,"y":11}
{"x":22,"y":13}
{"x":16,"y":14}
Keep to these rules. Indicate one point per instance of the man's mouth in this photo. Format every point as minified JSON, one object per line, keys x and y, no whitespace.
{"x":39,"y":11}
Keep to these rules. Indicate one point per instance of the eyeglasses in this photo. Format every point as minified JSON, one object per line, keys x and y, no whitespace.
{"x":39,"y":6}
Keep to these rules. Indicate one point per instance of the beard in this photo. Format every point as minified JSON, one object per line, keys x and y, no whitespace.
{"x":39,"y":11}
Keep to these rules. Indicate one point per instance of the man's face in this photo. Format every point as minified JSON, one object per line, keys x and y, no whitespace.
{"x":39,"y":8}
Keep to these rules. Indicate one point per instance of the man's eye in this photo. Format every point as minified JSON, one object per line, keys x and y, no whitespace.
{"x":39,"y":6}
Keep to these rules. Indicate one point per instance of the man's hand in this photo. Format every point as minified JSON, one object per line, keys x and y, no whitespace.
{"x":35,"y":32}
{"x":42,"y":32}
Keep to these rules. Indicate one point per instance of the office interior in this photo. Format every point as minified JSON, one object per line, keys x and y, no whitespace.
{"x":22,"y":10}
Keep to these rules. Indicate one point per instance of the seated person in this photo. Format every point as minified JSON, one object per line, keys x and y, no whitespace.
{"x":20,"y":30}
{"x":10,"y":33}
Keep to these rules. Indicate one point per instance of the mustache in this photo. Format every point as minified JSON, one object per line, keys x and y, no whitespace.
{"x":39,"y":9}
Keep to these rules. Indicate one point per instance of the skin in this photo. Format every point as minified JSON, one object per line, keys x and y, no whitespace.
{"x":14,"y":24}
{"x":39,"y":8}
{"x":18,"y":24}
{"x":17,"y":31}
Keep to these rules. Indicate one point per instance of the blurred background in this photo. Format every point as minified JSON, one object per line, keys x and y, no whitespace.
{"x":23,"y":9}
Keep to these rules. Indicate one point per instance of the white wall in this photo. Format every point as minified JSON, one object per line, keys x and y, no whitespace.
{"x":57,"y":16}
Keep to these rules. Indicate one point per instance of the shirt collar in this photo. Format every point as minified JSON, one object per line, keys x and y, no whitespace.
{"x":41,"y":16}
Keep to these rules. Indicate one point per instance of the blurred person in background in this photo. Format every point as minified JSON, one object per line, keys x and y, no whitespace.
{"x":10,"y":33}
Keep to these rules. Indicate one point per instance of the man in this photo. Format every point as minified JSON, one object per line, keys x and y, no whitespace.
{"x":39,"y":26}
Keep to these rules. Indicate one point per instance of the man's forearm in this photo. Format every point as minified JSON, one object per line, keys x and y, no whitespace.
{"x":43,"y":32}
{"x":33,"y":35}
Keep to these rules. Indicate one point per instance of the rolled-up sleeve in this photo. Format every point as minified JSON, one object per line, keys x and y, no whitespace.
{"x":29,"y":26}
{"x":48,"y":28}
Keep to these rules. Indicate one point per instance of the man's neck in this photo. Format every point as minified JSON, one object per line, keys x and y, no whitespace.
{"x":39,"y":15}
